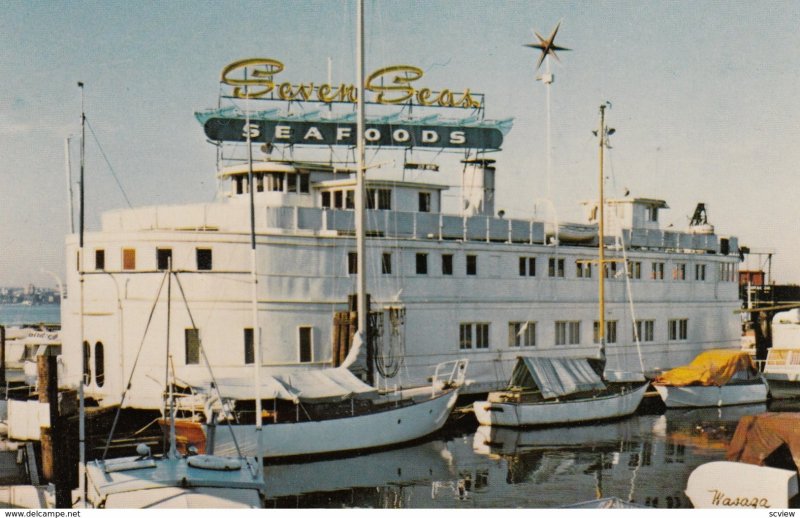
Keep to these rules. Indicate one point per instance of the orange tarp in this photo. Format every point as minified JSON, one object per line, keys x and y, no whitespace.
{"x":714,"y":367}
{"x":757,"y":436}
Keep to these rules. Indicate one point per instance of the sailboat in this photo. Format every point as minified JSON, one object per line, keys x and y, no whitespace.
{"x":169,"y":480}
{"x":555,"y":390}
{"x":329,"y":410}
{"x":174,"y":480}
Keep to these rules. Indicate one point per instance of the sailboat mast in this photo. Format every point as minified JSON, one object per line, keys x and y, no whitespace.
{"x":359,"y":223}
{"x":82,"y":380}
{"x":172,"y":452}
{"x":601,"y":244}
{"x":254,"y":277}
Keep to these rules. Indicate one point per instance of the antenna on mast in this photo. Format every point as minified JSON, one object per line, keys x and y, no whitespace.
{"x":548,"y":48}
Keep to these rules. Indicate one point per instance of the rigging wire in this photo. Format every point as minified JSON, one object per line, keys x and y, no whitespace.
{"x":108,"y":163}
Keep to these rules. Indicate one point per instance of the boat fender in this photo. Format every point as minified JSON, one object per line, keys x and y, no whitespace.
{"x":213,"y":462}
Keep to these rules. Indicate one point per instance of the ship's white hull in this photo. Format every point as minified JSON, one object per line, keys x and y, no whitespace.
{"x":712,"y":396}
{"x":559,"y":412}
{"x":362,"y":432}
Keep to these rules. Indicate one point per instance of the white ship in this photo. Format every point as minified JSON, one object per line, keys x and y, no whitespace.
{"x":468,"y":283}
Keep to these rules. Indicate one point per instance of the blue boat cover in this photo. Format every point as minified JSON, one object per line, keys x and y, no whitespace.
{"x":555,"y":377}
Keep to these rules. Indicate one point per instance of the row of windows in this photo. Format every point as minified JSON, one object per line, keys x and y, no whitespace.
{"x":99,"y":364}
{"x":527,"y":267}
{"x":380,"y":199}
{"x":203,"y":258}
{"x":304,"y":343}
{"x":475,"y":335}
{"x":274,"y":182}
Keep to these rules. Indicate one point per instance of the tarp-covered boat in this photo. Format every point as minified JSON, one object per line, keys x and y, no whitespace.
{"x":544,"y":391}
{"x":761,"y":466}
{"x":716,"y":377}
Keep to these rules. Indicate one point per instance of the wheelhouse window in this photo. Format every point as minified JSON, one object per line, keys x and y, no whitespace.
{"x":474,"y":335}
{"x":699,"y":272}
{"x":424,"y":202}
{"x":87,"y":367}
{"x":678,"y":329}
{"x":583,"y":269}
{"x":275,"y":182}
{"x":679,"y":272}
{"x":163,"y":258}
{"x":634,"y":269}
{"x":99,"y":364}
{"x":657,"y":272}
{"x":555,"y":267}
{"x":422,"y":264}
{"x":338,"y":197}
{"x":472,"y":264}
{"x":325,"y":199}
{"x":384,"y":199}
{"x":568,"y":332}
{"x":128,"y":258}
{"x":610,"y":335}
{"x":260,"y":182}
{"x":192,"y":342}
{"x":522,"y":334}
{"x":204,"y":258}
{"x":611,"y":270}
{"x":352,"y":263}
{"x":652,"y":213}
{"x":249,"y":350}
{"x":304,"y":337}
{"x":527,"y":267}
{"x":645,"y":330}
{"x":447,"y":264}
{"x":386,"y":263}
{"x":99,"y":259}
{"x":350,"y":199}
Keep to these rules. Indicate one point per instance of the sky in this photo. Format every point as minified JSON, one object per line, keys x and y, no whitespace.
{"x":703,"y":96}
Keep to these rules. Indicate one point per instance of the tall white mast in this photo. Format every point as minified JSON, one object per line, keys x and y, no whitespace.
{"x":254,"y":280}
{"x":81,"y":397}
{"x":359,"y":223}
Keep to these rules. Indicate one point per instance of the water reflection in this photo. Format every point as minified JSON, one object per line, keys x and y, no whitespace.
{"x":644,"y":459}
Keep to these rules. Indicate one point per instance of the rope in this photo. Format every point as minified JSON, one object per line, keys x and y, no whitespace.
{"x":133,"y":369}
{"x":108,"y":163}
{"x":214,"y":385}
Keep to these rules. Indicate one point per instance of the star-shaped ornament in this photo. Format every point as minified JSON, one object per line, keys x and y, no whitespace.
{"x":547,"y":46}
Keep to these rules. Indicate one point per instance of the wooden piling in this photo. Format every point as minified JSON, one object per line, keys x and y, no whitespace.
{"x":55,"y":465}
{"x":2,"y":357}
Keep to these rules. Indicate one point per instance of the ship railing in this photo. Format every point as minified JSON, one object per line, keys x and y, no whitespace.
{"x":449,"y":374}
{"x":395,"y":224}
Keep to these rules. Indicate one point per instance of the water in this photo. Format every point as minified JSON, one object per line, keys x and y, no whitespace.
{"x":16,"y":314}
{"x":646,"y":458}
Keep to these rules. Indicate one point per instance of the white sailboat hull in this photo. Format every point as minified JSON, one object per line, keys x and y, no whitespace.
{"x":701,"y":396}
{"x":368,"y":431}
{"x":174,"y":483}
{"x":559,"y":412}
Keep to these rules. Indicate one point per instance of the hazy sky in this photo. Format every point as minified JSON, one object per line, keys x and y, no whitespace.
{"x":704,"y":96}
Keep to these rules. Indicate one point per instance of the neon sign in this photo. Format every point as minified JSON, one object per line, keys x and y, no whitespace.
{"x":389,"y":85}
